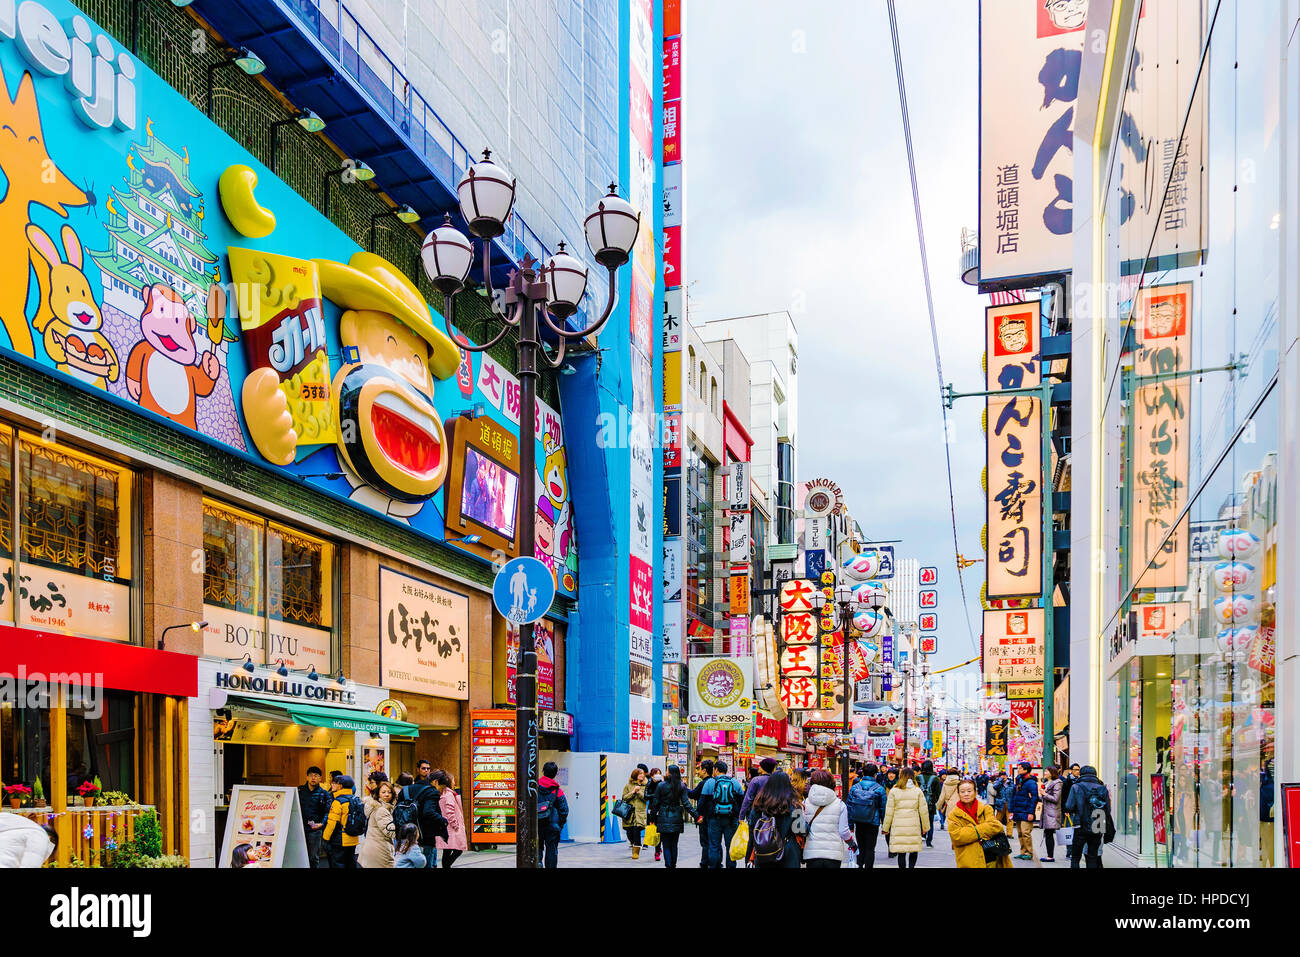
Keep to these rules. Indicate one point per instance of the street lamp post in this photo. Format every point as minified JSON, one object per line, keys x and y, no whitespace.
{"x":486,"y":194}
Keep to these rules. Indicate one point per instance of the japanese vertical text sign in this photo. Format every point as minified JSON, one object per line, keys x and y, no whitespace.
{"x":1030,"y":55}
{"x":492,"y":776}
{"x":1161,"y":436}
{"x":1015,"y":453}
{"x":1014,"y":649}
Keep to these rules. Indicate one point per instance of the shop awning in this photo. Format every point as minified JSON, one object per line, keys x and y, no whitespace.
{"x":341,"y":719}
{"x":65,"y":659}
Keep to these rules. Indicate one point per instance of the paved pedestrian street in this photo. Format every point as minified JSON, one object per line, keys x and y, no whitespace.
{"x":575,"y":854}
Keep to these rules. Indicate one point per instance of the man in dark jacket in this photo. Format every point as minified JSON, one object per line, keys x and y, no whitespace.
{"x":866,"y":807}
{"x":768,"y":765}
{"x":929,"y":784}
{"x":720,"y":799}
{"x":982,"y":785}
{"x":549,"y":792}
{"x":432,"y":824}
{"x":314,"y":801}
{"x":1067,"y":782}
{"x":1024,"y":801}
{"x":1089,"y":805}
{"x":695,"y":793}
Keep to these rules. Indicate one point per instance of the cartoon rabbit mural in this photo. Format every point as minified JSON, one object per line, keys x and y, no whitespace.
{"x":34,"y":179}
{"x":68,"y":315}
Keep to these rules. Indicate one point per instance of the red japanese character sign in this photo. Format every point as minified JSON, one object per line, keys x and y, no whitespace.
{"x":796,"y":595}
{"x":799,"y":629}
{"x":799,"y":694}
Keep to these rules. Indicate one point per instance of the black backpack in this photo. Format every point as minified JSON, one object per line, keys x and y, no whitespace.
{"x":355,"y":823}
{"x":405,"y":811}
{"x":548,"y":811}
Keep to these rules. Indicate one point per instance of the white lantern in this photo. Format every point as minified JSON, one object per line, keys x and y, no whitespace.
{"x":612,"y":227}
{"x":1237,"y":543}
{"x":1233,"y":576}
{"x":566,"y":281}
{"x":862,"y":567}
{"x":487,"y":194}
{"x":447,"y":255}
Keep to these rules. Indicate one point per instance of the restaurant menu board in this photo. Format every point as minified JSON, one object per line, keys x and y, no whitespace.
{"x":492,"y":776}
{"x":268,"y":821}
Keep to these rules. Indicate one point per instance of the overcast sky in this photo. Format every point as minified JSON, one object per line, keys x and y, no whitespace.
{"x":798,"y":198}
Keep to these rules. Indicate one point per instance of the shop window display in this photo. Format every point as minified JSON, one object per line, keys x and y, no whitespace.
{"x":262,"y":579}
{"x":74,"y":574}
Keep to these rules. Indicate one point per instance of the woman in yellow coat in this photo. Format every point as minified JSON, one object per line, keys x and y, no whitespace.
{"x":907,"y":819}
{"x":970,"y":821}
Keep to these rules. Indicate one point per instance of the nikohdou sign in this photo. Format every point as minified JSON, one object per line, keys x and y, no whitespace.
{"x":153,"y":262}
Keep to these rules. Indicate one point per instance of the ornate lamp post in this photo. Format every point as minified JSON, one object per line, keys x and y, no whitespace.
{"x":551,"y":294}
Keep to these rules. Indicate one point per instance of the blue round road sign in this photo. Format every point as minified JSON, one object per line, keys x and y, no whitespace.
{"x":523,"y":590}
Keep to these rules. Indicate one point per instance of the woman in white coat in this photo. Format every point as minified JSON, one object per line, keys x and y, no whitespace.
{"x":24,"y":843}
{"x":907,"y":818}
{"x":828,"y":823}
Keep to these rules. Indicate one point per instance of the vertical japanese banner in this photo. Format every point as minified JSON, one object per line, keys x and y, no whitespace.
{"x":1015,"y":453}
{"x":1161,"y":436}
{"x":673,"y":317}
{"x":799,"y":661}
{"x":1030,"y":55}
{"x":644,"y":431}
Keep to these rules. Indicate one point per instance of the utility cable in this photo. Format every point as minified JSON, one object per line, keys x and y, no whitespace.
{"x":929,"y":302}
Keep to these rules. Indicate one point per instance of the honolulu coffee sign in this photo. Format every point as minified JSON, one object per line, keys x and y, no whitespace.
{"x":285,"y":687}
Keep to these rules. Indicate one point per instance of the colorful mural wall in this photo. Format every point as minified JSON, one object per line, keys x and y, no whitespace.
{"x":148,"y":256}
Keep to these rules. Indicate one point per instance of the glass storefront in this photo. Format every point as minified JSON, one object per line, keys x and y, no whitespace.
{"x":75,"y":550}
{"x":261,"y":578}
{"x":1191,"y":438}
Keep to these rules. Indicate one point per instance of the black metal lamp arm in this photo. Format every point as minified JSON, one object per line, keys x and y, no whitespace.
{"x":595,"y":327}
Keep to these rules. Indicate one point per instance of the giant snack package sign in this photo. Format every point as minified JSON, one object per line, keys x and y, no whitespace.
{"x":150,"y":258}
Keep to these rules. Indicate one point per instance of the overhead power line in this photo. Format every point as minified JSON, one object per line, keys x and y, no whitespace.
{"x":929,"y":302}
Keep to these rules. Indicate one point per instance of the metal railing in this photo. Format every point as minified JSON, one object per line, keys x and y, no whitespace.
{"x":391,"y":93}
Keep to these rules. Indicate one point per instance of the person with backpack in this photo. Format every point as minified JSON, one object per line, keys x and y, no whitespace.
{"x":1023,"y":805}
{"x":905,"y":821}
{"x":828,"y":823}
{"x":1089,"y":805}
{"x":669,"y":808}
{"x":720,"y":800}
{"x":552,"y":812}
{"x":929,"y":783}
{"x":417,"y":803}
{"x":866,"y":807}
{"x":345,"y":824}
{"x":449,"y":806}
{"x":775,"y":825}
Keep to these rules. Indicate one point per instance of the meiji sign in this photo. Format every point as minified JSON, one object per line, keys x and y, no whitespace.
{"x":102,"y":85}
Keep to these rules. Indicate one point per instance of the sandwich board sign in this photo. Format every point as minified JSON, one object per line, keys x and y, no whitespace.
{"x":264,"y":827}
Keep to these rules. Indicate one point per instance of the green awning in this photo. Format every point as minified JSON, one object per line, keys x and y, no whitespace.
{"x":341,"y":719}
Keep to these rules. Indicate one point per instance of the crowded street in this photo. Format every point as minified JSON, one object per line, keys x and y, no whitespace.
{"x":666,"y":435}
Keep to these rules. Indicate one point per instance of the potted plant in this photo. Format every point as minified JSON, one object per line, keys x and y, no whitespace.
{"x":88,"y":790}
{"x":38,"y":793}
{"x":17,"y":793}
